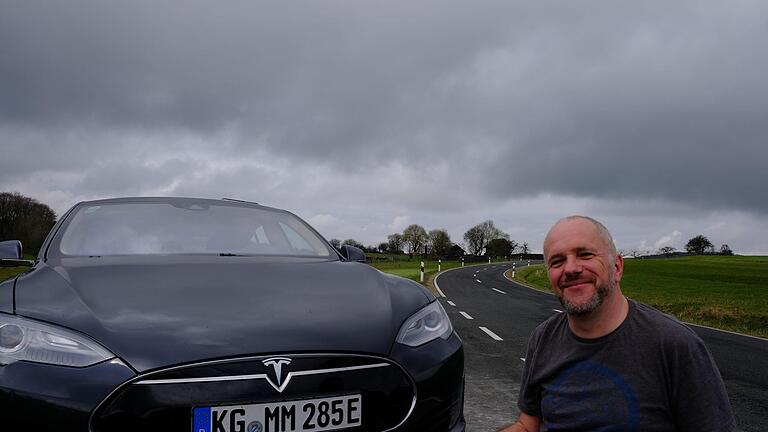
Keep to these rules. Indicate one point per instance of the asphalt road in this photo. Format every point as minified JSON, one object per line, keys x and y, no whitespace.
{"x":494,"y":317}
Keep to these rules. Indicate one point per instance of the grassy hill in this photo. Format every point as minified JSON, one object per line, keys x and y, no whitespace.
{"x":718,"y":291}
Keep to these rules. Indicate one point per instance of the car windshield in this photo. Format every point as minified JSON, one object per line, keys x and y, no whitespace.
{"x":187,"y":227}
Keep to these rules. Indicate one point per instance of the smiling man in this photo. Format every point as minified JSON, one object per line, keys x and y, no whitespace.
{"x":610,"y":363}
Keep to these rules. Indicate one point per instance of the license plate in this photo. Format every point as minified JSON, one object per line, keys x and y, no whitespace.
{"x":324,"y":414}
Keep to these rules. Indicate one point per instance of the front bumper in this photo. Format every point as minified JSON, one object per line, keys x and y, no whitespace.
{"x":111,"y":397}
{"x":43,"y":397}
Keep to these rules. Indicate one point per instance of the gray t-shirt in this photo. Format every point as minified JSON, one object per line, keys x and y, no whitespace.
{"x":650,"y":374}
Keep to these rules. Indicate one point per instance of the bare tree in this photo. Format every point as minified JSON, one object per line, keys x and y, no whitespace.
{"x":415,"y":238}
{"x":478,"y":236}
{"x":699,"y":245}
{"x":440,"y":242}
{"x":395,"y":243}
{"x":666,"y":251}
{"x":525,"y":249}
{"x":475,"y":240}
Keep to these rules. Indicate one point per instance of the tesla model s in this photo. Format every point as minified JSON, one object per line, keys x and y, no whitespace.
{"x":182,"y":314}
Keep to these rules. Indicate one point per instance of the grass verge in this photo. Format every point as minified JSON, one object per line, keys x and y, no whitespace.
{"x":411,"y":269}
{"x":9,"y":272}
{"x":729,"y":293}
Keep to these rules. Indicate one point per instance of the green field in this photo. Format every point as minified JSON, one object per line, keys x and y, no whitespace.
{"x":401,"y":265}
{"x":6,"y":272}
{"x":724,"y":292}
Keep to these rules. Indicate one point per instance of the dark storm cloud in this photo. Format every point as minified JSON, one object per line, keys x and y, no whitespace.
{"x":312,"y":77}
{"x":597,"y":99}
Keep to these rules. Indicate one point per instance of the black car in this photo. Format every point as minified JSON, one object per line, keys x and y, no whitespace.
{"x":181,"y":314}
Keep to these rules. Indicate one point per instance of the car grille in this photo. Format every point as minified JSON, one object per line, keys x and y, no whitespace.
{"x":164,"y":400}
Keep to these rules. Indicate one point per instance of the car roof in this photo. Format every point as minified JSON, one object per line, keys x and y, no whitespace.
{"x":180,"y":201}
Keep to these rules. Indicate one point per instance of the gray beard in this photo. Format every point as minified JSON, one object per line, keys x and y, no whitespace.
{"x":587,"y":308}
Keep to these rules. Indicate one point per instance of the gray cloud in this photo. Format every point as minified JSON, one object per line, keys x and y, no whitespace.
{"x":442,"y":110}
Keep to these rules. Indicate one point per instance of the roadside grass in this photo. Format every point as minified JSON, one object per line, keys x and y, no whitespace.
{"x":410,"y":269}
{"x":9,"y":272}
{"x":729,"y":293}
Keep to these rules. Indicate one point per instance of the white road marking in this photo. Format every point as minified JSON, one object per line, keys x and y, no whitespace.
{"x":439,"y":291}
{"x":557,"y":310}
{"x":493,"y":335}
{"x":479,"y":281}
{"x":465,"y":315}
{"x":451,"y":303}
{"x":498,"y":290}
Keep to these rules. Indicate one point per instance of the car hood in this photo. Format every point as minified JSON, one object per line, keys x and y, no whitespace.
{"x":154,"y":314}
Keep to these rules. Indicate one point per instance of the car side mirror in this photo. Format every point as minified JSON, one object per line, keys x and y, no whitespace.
{"x":11,"y":249}
{"x":11,"y":254}
{"x":351,"y":253}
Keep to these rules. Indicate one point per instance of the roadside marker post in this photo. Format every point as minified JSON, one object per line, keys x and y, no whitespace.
{"x":513,"y":270}
{"x":529,"y":263}
{"x":462,"y":261}
{"x":489,"y":260}
{"x":421,"y":278}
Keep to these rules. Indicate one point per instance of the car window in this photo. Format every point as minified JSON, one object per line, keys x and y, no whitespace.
{"x":143,"y":228}
{"x":297,"y":241}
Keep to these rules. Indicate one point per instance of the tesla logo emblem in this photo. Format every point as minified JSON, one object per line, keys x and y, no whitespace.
{"x":277,"y":364}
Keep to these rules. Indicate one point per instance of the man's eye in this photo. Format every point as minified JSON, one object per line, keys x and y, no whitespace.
{"x":556,"y":263}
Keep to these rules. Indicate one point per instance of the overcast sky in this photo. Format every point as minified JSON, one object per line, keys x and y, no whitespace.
{"x":364,"y":117}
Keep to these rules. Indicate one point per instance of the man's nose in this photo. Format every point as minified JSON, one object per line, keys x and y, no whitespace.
{"x":572,"y":266}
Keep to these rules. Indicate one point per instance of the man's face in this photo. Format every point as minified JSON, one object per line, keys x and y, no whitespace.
{"x":580,"y":264}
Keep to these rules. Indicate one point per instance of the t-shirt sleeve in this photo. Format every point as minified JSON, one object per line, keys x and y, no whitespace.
{"x":529,"y":399}
{"x":700,"y":402}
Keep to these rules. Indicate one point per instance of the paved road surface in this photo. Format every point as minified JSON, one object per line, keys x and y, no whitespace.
{"x":484,"y":307}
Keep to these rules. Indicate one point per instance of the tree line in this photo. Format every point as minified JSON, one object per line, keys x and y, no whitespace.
{"x":697,"y":245}
{"x":482,"y":239}
{"x":25,"y":219}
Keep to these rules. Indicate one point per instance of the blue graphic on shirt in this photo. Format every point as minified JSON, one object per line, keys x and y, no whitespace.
{"x":590,"y":396}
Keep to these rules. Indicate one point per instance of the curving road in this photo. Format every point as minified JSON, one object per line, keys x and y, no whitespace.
{"x":494,"y":316}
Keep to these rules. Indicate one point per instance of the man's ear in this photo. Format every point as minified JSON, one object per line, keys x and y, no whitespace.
{"x":618,"y":267}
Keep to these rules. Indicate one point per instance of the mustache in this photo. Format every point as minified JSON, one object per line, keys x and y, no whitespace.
{"x":575,"y":281}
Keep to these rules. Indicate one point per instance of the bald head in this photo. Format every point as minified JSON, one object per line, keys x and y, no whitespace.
{"x":600,"y":229}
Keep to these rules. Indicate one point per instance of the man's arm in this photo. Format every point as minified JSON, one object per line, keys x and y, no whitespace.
{"x":524,"y":423}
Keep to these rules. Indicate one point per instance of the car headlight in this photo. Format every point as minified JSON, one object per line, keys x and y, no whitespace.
{"x":429,"y":323}
{"x":26,"y":339}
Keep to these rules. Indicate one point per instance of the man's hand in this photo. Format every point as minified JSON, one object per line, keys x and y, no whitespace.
{"x":524,"y":423}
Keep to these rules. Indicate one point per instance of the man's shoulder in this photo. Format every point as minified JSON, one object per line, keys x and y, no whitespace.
{"x":664,"y":327}
{"x":550,"y":325}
